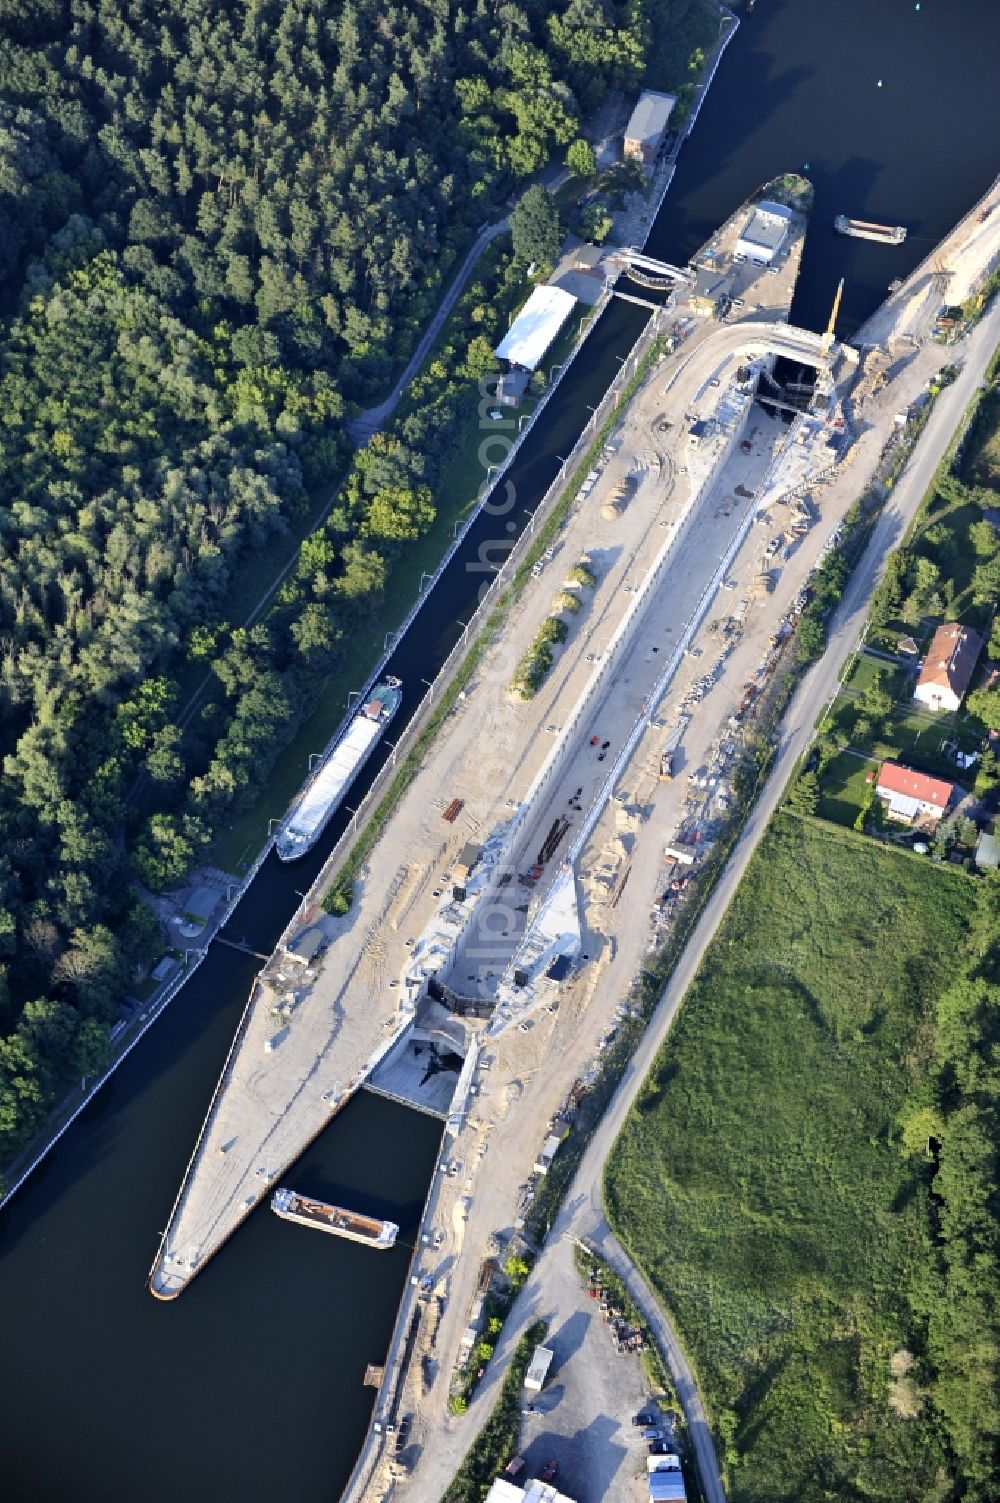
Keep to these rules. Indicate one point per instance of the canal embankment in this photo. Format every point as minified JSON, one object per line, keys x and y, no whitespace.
{"x":141,"y":1019}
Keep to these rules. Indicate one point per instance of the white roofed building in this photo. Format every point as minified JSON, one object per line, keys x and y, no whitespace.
{"x":538,"y":1369}
{"x":534,"y":1491}
{"x":764,"y":233}
{"x":665,"y":1479}
{"x":535,"y":327}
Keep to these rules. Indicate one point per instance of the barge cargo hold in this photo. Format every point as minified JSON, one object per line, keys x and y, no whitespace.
{"x":864,"y":229}
{"x":324,"y":792}
{"x":334,"y":1219}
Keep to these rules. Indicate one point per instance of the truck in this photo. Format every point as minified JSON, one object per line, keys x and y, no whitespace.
{"x":669,"y":751}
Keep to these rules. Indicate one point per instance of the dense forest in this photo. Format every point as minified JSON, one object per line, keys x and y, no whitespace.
{"x":221,"y":230}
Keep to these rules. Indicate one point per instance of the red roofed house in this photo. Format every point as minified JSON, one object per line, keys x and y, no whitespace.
{"x":907,"y":794}
{"x":948,"y":667}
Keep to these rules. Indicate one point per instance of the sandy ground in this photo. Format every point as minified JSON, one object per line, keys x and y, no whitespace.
{"x":444,"y":1439}
{"x":311,"y":1034}
{"x":531,"y":1072}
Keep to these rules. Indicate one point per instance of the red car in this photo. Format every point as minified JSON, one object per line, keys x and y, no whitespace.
{"x":549,"y":1472}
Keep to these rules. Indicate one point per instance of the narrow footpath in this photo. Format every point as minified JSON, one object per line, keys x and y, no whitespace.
{"x":361,"y":428}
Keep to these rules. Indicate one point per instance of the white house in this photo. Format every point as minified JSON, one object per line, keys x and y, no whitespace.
{"x":948,"y":667}
{"x":764,"y":233}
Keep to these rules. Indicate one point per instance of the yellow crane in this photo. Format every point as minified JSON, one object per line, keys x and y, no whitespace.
{"x":828,"y":336}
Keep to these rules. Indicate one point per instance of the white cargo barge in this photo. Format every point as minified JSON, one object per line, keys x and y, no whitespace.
{"x":334,"y":1219}
{"x":325,"y":790}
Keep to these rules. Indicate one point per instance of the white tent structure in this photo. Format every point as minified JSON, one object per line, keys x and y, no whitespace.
{"x":535,"y":327}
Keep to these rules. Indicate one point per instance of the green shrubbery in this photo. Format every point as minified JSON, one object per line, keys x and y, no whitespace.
{"x":568,"y":601}
{"x":498,"y":1439}
{"x":582,"y":574}
{"x":533,"y":669}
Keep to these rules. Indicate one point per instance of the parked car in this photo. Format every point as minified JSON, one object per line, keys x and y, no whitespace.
{"x":549,"y":1472}
{"x":652,"y":1433}
{"x":643,"y":1418}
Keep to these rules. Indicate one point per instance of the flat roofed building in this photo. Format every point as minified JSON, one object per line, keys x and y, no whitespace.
{"x":534,"y":1491}
{"x":907,"y":794}
{"x":764,"y":233}
{"x":665,"y":1479}
{"x":538,"y":1369}
{"x":307,"y":944}
{"x":202,"y":903}
{"x":549,"y":1150}
{"x":646,"y":129}
{"x":948,"y":667}
{"x":666,"y":1487}
{"x":535,"y":327}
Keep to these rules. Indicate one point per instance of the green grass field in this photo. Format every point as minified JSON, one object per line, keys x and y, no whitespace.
{"x":759,"y":1179}
{"x":842,"y":787}
{"x":980,"y":463}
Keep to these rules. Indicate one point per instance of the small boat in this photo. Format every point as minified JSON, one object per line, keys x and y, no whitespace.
{"x":864,"y":229}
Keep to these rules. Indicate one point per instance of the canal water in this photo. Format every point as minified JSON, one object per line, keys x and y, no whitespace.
{"x":249,"y":1386}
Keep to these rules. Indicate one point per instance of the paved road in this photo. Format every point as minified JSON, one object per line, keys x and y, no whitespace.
{"x":365,"y":424}
{"x":582,"y":1214}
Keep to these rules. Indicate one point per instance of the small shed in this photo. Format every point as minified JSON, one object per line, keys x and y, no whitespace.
{"x":588,"y":257}
{"x":560,"y":968}
{"x":549,"y":1150}
{"x":538,"y":1369}
{"x":306,"y":945}
{"x":511,"y":388}
{"x":466,"y":860}
{"x":202,"y":903}
{"x":987,"y":851}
